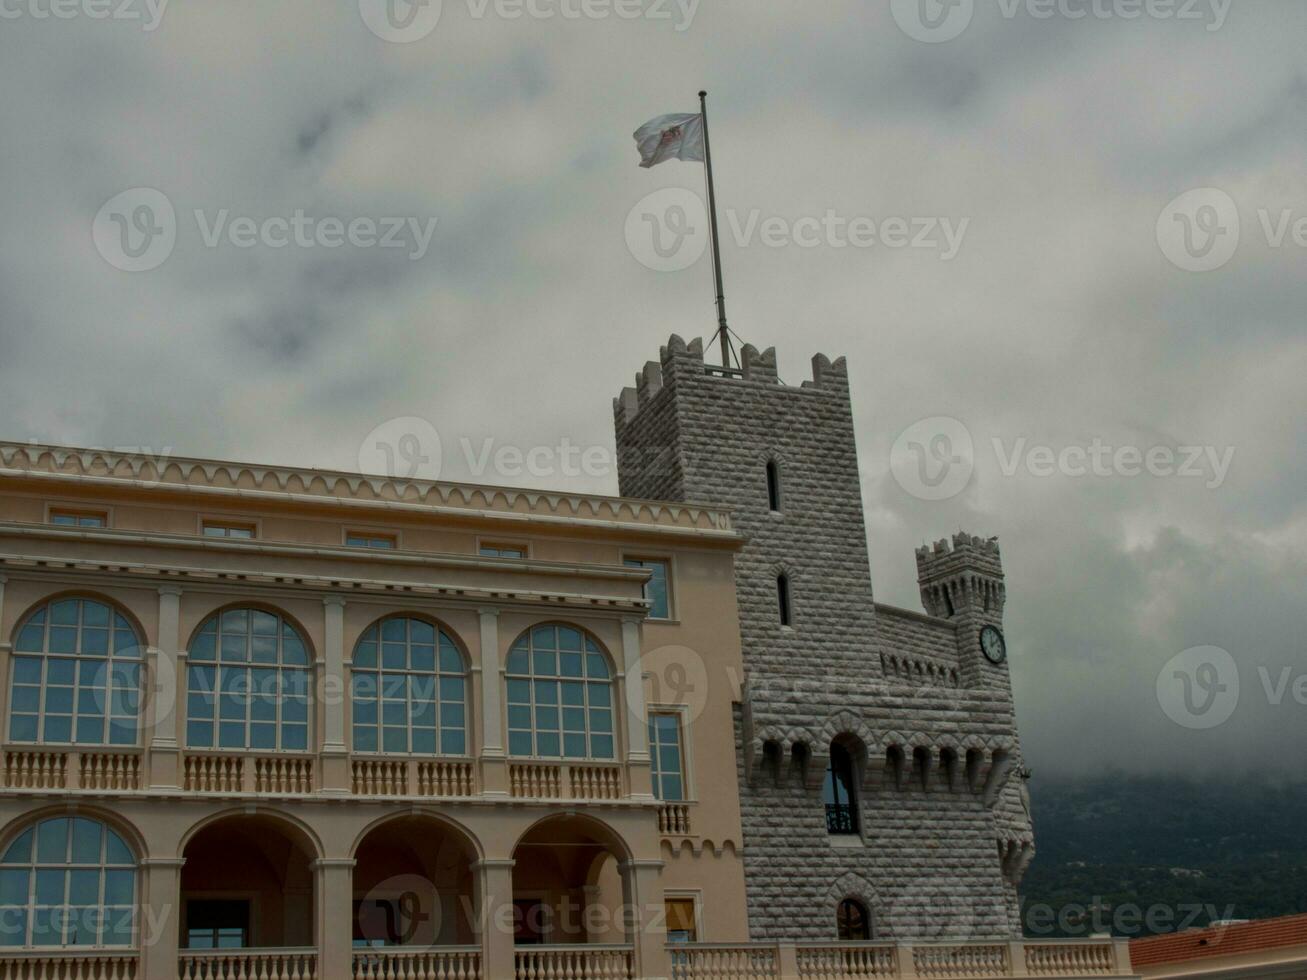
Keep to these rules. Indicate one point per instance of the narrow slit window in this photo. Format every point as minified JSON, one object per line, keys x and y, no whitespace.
{"x":783,"y":598}
{"x":773,"y":486}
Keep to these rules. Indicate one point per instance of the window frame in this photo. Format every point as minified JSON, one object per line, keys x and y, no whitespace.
{"x":207,"y":521}
{"x":78,"y":513}
{"x":695,"y":897}
{"x":557,"y":677}
{"x":378,"y":670}
{"x":45,"y":656}
{"x":502,"y":544}
{"x":863,"y":910}
{"x":642,"y":559}
{"x":849,"y":809}
{"x":678,"y":712}
{"x":33,"y":866}
{"x":371,"y":535}
{"x":216,"y":663}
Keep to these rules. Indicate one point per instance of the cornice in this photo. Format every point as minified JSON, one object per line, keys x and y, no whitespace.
{"x":330,"y":587}
{"x":254,"y":483}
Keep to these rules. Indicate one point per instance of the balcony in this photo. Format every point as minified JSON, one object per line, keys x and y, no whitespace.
{"x":861,"y":961}
{"x":208,"y":772}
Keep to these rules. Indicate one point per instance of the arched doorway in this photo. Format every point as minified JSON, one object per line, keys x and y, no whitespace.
{"x":247,"y":884}
{"x":569,"y":884}
{"x":413,"y":885}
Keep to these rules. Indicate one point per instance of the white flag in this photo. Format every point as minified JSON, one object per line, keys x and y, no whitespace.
{"x":678,"y":136}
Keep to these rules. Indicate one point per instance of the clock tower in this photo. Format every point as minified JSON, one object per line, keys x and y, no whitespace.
{"x":962,"y":581}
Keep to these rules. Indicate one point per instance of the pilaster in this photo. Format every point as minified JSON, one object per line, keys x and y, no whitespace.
{"x":332,"y":688}
{"x":165,"y":685}
{"x":494,"y":763}
{"x":160,"y":922}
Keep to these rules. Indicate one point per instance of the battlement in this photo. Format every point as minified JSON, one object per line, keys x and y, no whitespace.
{"x":966,"y":551}
{"x":966,"y":574}
{"x":682,"y":364}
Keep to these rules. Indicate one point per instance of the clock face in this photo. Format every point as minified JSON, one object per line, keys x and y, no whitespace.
{"x":992,"y":645}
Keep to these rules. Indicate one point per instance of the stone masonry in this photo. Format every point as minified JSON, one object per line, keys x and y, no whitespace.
{"x":944,"y":825}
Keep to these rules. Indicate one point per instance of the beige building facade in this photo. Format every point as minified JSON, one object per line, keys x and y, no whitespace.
{"x":265,"y":722}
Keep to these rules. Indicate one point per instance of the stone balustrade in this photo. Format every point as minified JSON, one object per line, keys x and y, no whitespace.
{"x":404,"y":963}
{"x":861,"y":961}
{"x":591,"y":961}
{"x":566,"y":781}
{"x":248,"y":964}
{"x":69,"y":965}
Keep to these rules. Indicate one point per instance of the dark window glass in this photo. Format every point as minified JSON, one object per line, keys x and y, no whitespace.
{"x":783,"y":598}
{"x":852,"y":922}
{"x":773,"y":486}
{"x":655,"y":590}
{"x":217,"y":924}
{"x":838,"y":793}
{"x":665,"y":757}
{"x":379,"y":542}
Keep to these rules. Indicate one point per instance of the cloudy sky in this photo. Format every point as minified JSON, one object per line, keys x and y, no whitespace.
{"x":1048,"y":296}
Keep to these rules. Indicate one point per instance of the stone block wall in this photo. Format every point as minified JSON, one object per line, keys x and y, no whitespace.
{"x":944,"y":829}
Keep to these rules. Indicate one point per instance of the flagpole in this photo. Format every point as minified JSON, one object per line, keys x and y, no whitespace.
{"x":722,"y":331}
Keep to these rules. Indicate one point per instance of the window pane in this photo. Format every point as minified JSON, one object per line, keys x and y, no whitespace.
{"x":115,"y":850}
{"x":20,"y":851}
{"x":50,"y":886}
{"x":453,"y":742}
{"x":13,"y":886}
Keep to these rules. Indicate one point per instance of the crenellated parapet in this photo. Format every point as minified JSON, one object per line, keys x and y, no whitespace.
{"x":682,"y":364}
{"x":965,"y":576}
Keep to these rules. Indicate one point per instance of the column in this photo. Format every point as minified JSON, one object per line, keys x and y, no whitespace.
{"x":165,"y":664}
{"x":334,"y":934}
{"x":494,"y":884}
{"x":334,"y":690}
{"x":637,"y":715}
{"x":642,"y":894}
{"x":494,"y":763}
{"x":161,"y":916}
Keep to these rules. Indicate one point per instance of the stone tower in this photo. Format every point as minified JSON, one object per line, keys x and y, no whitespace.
{"x":922,"y":718}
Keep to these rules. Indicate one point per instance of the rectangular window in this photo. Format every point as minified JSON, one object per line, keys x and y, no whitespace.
{"x":665,"y":754}
{"x":656,"y":590}
{"x":370,"y":539}
{"x":79,"y":518}
{"x":503,"y":551}
{"x":682,"y":926}
{"x":217,"y":924}
{"x":222,"y":529}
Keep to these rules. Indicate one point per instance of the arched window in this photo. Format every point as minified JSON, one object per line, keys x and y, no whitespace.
{"x":67,"y":881}
{"x":839,"y":794}
{"x":560,"y":695}
{"x":852,"y":923}
{"x":76,"y":676}
{"x":783,"y":598}
{"x":773,"y":486}
{"x":248,"y":683}
{"x":409,"y":691}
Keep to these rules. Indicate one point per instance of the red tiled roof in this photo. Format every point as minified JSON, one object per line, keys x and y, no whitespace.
{"x":1230,"y":940}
